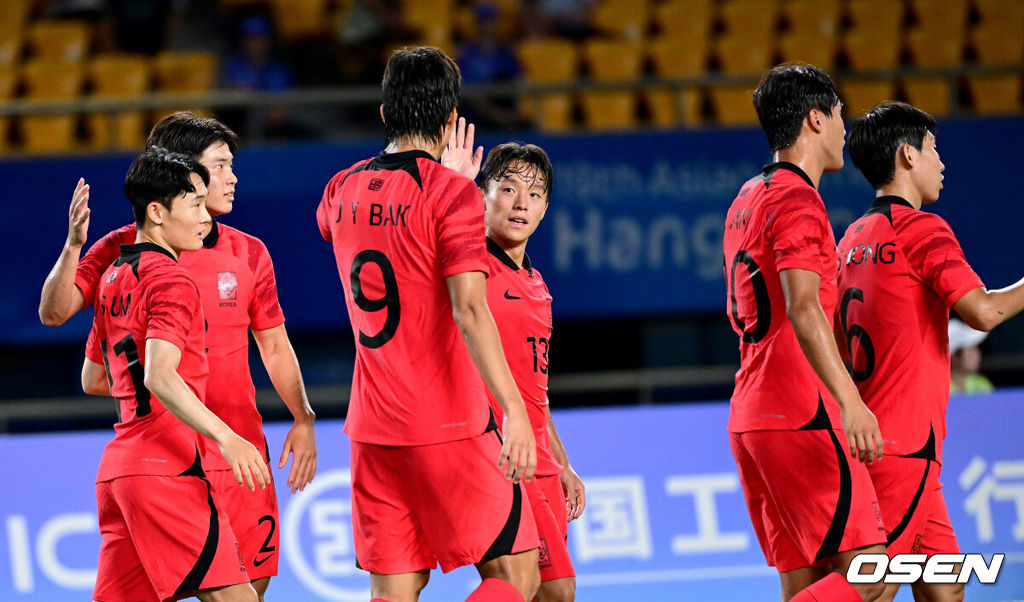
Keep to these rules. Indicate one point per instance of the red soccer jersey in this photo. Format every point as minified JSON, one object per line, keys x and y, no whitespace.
{"x":521,"y":305}
{"x":145,"y":294}
{"x":777,"y":222}
{"x":902,"y":270}
{"x":236,"y":282}
{"x":400,"y":224}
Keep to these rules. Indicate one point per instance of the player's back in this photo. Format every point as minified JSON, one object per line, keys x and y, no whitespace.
{"x":776,"y":222}
{"x":901,"y":271}
{"x":146,"y":294}
{"x":400,"y":224}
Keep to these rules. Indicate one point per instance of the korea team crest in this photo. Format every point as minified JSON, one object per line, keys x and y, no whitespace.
{"x":227,"y":286}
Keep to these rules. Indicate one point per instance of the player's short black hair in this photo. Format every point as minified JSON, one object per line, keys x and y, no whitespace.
{"x":421,"y":87}
{"x":189,"y":134}
{"x":158,"y":175}
{"x":785,"y":95}
{"x":876,"y":137}
{"x":533,"y":161}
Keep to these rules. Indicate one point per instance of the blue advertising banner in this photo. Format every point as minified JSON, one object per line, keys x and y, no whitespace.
{"x":634,"y":226}
{"x":665,"y":517}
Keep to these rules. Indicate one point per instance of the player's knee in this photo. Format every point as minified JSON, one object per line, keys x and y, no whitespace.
{"x":558,"y":590}
{"x":242,"y":592}
{"x":871,"y":591}
{"x":261,"y":585}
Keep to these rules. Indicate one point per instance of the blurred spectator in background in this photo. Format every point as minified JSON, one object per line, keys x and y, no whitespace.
{"x":563,"y":18}
{"x":146,"y":26}
{"x":965,"y":359}
{"x":486,"y":59}
{"x":367,"y":30}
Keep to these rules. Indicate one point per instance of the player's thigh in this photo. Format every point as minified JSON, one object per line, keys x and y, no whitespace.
{"x":909,"y":493}
{"x":795,"y":580}
{"x":254,"y":520}
{"x":242,"y":592}
{"x":387,"y":536}
{"x":405,"y":587}
{"x":939,"y":592}
{"x":119,"y":574}
{"x":553,"y":554}
{"x":184,"y":541}
{"x":814,"y":497}
{"x":557,"y":590}
{"x":468,"y":510}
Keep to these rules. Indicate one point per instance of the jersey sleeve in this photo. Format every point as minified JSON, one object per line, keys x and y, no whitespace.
{"x":171,"y":304}
{"x":264,"y":308}
{"x":93,"y":352}
{"x":461,"y":238}
{"x":935,"y":256}
{"x":96,"y":261}
{"x":798,"y":230}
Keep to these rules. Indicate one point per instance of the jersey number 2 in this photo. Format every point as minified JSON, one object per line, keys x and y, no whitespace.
{"x":389,"y":301}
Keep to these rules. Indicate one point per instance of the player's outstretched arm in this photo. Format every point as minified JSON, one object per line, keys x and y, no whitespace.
{"x":162,"y":379}
{"x":984,"y":309}
{"x":572,"y":484}
{"x":60,"y":298}
{"x":283,"y":368}
{"x":459,"y":154}
{"x":468,"y":294}
{"x":803,"y":308}
{"x":94,"y":378}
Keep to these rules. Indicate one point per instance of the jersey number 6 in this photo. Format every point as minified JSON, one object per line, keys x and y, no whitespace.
{"x":389,"y":301}
{"x":856,"y":331}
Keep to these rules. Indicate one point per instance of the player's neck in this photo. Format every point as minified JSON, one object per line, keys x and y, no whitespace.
{"x":515,"y":251}
{"x":799,"y":155}
{"x":150,"y":235}
{"x":903,"y":189}
{"x":403,"y":145}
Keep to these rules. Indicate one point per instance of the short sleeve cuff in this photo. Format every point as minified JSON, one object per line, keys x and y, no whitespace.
{"x":165,"y":335}
{"x":462,"y":267}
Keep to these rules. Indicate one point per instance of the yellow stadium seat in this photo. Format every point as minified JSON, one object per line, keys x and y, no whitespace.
{"x":809,"y":47}
{"x":994,"y":45}
{"x":872,"y":49}
{"x":431,"y":19}
{"x":684,"y":18}
{"x":611,"y":60}
{"x":947,"y":16}
{"x":931,"y":94}
{"x":50,"y":80}
{"x":8,"y":83}
{"x":749,"y":18}
{"x":11,"y":42}
{"x":60,"y":40}
{"x":1009,"y":13}
{"x":883,"y":16}
{"x":296,"y":19}
{"x":860,"y":96}
{"x":621,"y":18}
{"x":118,"y":76}
{"x":733,"y":105}
{"x":673,"y":58}
{"x":806,"y":17}
{"x":547,"y":61}
{"x":741,"y":53}
{"x":184,"y":71}
{"x":609,"y":110}
{"x":13,"y":13}
{"x":936,"y":48}
{"x":995,"y":94}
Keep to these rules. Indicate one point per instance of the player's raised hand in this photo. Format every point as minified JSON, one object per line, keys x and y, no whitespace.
{"x":519,"y":449}
{"x":575,"y":495}
{"x":460,"y":155}
{"x":301,"y":443}
{"x":78,"y":215}
{"x":246,"y":462}
{"x":862,"y":432}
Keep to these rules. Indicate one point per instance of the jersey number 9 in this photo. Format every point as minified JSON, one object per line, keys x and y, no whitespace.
{"x":389,"y":301}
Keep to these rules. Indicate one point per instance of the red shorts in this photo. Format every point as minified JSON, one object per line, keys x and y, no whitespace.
{"x":254,"y":519}
{"x":807,"y":499}
{"x":163,"y":539}
{"x":414,"y":507}
{"x":547,"y":501}
{"x":913,"y":508}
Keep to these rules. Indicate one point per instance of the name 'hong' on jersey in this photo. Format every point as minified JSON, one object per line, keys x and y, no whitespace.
{"x":400,"y":224}
{"x":902,"y":270}
{"x":777,"y":222}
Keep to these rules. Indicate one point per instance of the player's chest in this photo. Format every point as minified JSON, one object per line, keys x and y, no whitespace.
{"x":520,"y":301}
{"x":225,"y":286}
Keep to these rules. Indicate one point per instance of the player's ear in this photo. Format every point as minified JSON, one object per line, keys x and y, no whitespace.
{"x":156,"y":212}
{"x":906,"y":154}
{"x":382,"y":114}
{"x":814,"y":118}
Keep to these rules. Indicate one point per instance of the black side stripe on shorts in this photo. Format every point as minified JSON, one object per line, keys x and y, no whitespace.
{"x":834,"y":535}
{"x":195,"y":577}
{"x":926,"y":453}
{"x":507,"y":538}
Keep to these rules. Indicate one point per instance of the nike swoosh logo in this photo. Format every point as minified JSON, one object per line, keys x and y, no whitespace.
{"x":509,"y":295}
{"x":257,"y":561}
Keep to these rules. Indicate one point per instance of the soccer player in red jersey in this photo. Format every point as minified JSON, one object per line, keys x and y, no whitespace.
{"x":902,"y":270}
{"x":429,"y":469}
{"x":236,"y":281}
{"x":516,"y":181}
{"x":164,"y":537}
{"x":795,"y":411}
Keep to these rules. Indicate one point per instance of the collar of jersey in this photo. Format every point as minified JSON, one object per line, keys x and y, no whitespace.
{"x":211,"y":239}
{"x":890,"y":199}
{"x":390,"y":160}
{"x":771,"y":167}
{"x":139,"y":247}
{"x":495,"y":249}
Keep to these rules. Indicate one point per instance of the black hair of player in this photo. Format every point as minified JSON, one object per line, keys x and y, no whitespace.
{"x":877,"y":137}
{"x":785,"y":95}
{"x":421,"y":87}
{"x":187,"y":133}
{"x":532,"y":160}
{"x":158,"y":175}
